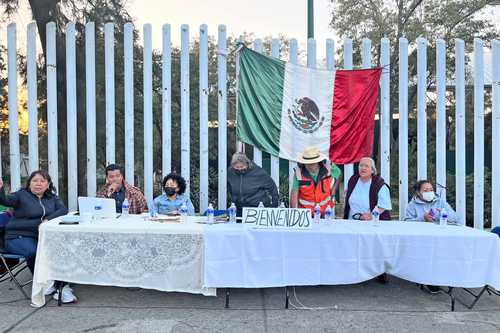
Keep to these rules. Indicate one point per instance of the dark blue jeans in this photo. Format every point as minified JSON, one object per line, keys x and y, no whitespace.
{"x":24,"y":246}
{"x":496,"y":231}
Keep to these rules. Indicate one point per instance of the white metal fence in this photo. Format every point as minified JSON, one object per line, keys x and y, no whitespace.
{"x":366,"y":56}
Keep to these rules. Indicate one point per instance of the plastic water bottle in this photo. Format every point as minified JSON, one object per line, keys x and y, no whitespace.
{"x":443,"y":218}
{"x":261,"y":205}
{"x":152,"y":211}
{"x":183,"y":210}
{"x":232,"y":213}
{"x":317,"y":213}
{"x":210,"y":214}
{"x":97,"y":211}
{"x":125,"y":207}
{"x":328,"y":214}
{"x":375,"y":216}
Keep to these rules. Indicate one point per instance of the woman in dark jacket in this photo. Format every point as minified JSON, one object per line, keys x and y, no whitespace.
{"x":33,"y":205}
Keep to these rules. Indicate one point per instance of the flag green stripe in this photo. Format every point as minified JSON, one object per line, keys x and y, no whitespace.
{"x":260,"y":95}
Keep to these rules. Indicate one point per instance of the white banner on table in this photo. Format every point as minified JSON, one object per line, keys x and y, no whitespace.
{"x":292,"y":218}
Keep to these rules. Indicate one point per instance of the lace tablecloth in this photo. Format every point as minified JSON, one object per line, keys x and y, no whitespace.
{"x":121,"y":252}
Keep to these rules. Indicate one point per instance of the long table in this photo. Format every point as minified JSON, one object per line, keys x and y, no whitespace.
{"x":347,"y":252}
{"x":197,"y":258}
{"x":125,"y":252}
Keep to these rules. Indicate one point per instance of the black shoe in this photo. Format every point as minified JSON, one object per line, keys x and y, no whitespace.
{"x":382,"y":279}
{"x":433,"y":289}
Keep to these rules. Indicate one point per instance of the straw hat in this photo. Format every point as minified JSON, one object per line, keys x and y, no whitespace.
{"x":311,"y":155}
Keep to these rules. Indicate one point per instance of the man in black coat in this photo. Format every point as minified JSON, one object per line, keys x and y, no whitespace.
{"x":248,"y":184}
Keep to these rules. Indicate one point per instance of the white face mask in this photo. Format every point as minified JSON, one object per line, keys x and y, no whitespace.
{"x":428,"y":196}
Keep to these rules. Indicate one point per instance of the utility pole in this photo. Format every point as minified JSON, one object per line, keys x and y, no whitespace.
{"x":310,"y":19}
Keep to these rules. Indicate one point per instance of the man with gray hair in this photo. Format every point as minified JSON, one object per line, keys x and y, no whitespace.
{"x":248,"y":184}
{"x":367,"y":191}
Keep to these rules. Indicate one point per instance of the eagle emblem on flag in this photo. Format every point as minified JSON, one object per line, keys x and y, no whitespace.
{"x":305,"y":116}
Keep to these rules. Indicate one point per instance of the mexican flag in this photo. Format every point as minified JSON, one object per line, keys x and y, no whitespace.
{"x":284,"y":108}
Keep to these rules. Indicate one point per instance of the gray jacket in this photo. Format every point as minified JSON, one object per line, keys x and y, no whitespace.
{"x":417,"y":208}
{"x":250,"y":188}
{"x":30,"y":211}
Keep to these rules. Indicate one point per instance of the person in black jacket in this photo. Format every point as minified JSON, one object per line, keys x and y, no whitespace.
{"x":248,"y":184}
{"x":33,"y":205}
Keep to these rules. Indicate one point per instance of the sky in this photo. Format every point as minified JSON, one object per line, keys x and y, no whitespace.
{"x":262,"y":17}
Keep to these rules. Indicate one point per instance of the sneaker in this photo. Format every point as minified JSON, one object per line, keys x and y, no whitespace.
{"x":50,"y":290}
{"x":67,"y":295}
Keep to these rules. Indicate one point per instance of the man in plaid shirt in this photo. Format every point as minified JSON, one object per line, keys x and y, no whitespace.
{"x":117,"y":188}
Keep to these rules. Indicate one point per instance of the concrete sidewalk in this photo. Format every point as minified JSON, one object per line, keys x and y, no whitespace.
{"x":398,"y":306}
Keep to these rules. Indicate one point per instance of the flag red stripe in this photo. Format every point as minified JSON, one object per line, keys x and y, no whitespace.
{"x":355,"y":98}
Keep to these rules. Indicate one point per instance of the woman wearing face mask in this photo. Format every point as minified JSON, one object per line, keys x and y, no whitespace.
{"x":173,"y":197}
{"x":425,"y":206}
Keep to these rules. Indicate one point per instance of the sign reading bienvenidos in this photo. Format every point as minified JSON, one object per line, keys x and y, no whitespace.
{"x":293,"y":218}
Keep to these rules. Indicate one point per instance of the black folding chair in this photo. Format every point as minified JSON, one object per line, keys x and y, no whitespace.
{"x":10,"y":273}
{"x":477,"y":296}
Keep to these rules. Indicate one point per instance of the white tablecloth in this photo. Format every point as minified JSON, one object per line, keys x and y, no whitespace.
{"x":121,"y":252}
{"x":350,"y":252}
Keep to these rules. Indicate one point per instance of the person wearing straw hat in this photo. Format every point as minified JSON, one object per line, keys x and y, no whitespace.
{"x":315,"y":181}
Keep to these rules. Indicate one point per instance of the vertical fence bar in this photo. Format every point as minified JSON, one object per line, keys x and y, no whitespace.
{"x":460,"y":129}
{"x":495,"y":136}
{"x":275,"y":160}
{"x":348,"y":168}
{"x":109,"y":55}
{"x":148,"y":113}
{"x":203,"y":118}
{"x":478,"y":134}
{"x":32,"y":97}
{"x":385,"y":111}
{"x":441,"y":113}
{"x":15,"y":160}
{"x":52,"y":140}
{"x":128,"y":70}
{"x":71,"y":117}
{"x":91,"y":107}
{"x":403,"y":127}
{"x":293,"y":59}
{"x":257,"y":153}
{"x":240,"y":146}
{"x":185,"y":139}
{"x":222,"y":106}
{"x":421,"y":108}
{"x":366,"y":53}
{"x":166,"y":102}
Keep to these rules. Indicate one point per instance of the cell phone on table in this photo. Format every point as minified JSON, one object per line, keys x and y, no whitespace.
{"x":69,"y":222}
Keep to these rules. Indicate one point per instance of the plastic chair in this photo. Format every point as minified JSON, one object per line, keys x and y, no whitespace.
{"x":11,"y":273}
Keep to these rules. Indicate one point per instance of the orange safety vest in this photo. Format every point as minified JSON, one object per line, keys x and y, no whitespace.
{"x":321,"y":193}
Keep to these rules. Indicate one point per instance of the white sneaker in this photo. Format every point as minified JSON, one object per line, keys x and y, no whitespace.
{"x":67,"y":295}
{"x":50,"y":290}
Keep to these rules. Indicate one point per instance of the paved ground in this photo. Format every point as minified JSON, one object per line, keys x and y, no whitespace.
{"x":399,"y":306}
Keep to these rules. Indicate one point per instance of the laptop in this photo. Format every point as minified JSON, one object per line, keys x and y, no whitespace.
{"x":86,"y":205}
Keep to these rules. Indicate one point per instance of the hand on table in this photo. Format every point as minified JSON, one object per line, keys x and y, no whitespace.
{"x":366,"y":217}
{"x":428,"y":217}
